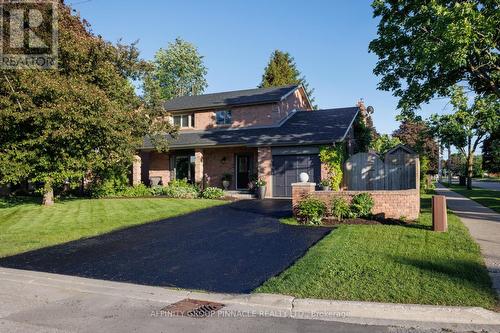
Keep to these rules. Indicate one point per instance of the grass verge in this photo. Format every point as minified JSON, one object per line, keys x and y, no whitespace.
{"x":392,"y":263}
{"x":488,"y":198}
{"x":26,"y":225}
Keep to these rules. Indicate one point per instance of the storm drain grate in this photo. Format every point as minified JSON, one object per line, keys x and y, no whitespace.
{"x":193,"y":308}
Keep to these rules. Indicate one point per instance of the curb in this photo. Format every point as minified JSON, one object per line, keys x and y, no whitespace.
{"x":274,"y":305}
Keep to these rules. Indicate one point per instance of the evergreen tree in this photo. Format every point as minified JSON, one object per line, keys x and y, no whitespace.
{"x":281,"y":71}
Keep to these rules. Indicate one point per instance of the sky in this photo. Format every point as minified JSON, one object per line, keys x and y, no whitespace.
{"x":328,"y":39}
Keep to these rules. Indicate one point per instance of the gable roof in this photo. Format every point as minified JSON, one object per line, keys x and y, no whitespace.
{"x":230,"y":98}
{"x":401,"y":147}
{"x":302,"y":128}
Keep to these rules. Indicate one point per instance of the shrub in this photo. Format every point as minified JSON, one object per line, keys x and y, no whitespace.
{"x":340,"y":208}
{"x":180,"y":189}
{"x":212,"y":193}
{"x":311,"y":210}
{"x":135,"y":191}
{"x":362,"y":205}
{"x":111,"y":186}
{"x":156,"y":190}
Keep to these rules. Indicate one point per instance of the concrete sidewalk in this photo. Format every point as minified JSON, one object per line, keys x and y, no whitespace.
{"x":484,"y":226}
{"x":44,"y":302}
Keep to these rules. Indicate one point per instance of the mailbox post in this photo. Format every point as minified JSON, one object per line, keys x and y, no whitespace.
{"x":439,"y":214}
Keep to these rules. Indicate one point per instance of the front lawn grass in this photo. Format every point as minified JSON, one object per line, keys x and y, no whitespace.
{"x":26,"y":225}
{"x":488,"y":198}
{"x":391,"y":263}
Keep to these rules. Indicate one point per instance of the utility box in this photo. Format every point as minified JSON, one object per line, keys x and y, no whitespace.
{"x":439,"y":214}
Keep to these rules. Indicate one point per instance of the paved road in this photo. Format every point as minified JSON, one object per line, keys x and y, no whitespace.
{"x":484,"y":226}
{"x":40,"y":302}
{"x":487,"y":185}
{"x":230,"y":248}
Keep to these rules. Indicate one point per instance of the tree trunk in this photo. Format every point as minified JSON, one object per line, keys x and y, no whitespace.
{"x":449,"y":165}
{"x":470,"y":160}
{"x":48,"y":196}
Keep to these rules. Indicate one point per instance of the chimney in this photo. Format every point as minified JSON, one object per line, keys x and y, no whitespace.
{"x":362,"y":110}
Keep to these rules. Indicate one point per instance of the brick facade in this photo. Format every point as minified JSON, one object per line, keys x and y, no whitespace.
{"x":136,"y":170}
{"x":198,"y":165}
{"x":264,"y":160}
{"x":255,"y":115}
{"x":218,"y":161}
{"x":210,"y":164}
{"x":390,"y":204}
{"x":159,"y":166}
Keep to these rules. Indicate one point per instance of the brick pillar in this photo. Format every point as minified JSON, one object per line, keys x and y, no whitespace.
{"x":198,"y":165}
{"x":136,"y":170}
{"x":264,"y":162}
{"x":300,"y":190}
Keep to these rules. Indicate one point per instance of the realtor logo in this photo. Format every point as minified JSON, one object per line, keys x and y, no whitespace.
{"x":28,"y":33}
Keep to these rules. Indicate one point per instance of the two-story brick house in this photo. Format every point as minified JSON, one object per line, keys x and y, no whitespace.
{"x":272,"y":133}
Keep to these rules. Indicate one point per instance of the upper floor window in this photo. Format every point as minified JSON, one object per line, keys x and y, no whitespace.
{"x":184,"y":120}
{"x":223,"y":117}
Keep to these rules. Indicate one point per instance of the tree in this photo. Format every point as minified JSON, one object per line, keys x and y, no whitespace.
{"x":471,"y":123}
{"x":457,"y":165}
{"x":425,"y":47}
{"x":364,"y":130}
{"x":281,"y":70}
{"x":384,"y":143}
{"x":491,"y":152}
{"x":59,"y":125}
{"x":177,"y":71}
{"x":416,"y":134}
{"x":444,"y":129}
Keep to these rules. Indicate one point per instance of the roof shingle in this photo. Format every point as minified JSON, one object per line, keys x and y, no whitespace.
{"x":229,"y":98}
{"x":302,"y":128}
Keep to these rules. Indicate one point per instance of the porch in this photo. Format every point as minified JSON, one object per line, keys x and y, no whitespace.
{"x":204,"y":166}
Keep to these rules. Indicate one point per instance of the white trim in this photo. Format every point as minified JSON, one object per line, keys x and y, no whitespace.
{"x":305,"y":94}
{"x":289,"y":93}
{"x":191,"y":118}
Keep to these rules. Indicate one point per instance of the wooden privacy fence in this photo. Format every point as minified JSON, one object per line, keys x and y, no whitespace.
{"x":367,"y":172}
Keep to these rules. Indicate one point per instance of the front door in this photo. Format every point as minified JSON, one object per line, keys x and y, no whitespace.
{"x":184,"y":168}
{"x":242,"y":171}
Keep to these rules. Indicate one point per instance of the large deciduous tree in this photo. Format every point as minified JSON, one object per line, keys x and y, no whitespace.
{"x":426,"y":47}
{"x":491,"y":152}
{"x":444,"y":130}
{"x":178,"y":71}
{"x":383,"y":143}
{"x":416,"y":134}
{"x":281,"y":70}
{"x":470,"y":124}
{"x":57,"y":125}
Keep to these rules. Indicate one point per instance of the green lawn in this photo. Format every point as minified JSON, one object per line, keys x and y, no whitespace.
{"x":391,"y":263}
{"x":26,"y":225}
{"x":488,"y":198}
{"x":488,"y":179}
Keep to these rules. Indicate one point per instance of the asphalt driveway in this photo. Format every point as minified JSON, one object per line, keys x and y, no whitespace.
{"x":232,"y":248}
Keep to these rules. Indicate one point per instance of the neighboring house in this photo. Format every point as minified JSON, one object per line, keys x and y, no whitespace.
{"x":270,"y":133}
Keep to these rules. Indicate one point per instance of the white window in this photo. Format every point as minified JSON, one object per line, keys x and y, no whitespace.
{"x":223,"y":117}
{"x":184,"y":120}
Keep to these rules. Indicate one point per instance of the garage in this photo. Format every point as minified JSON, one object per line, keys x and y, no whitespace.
{"x":286,"y":169}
